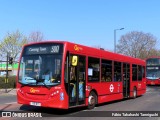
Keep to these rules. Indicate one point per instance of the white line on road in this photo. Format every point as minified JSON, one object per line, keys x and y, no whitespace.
{"x":11,"y":103}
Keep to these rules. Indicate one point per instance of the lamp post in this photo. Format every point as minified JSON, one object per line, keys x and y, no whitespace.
{"x":115,"y":38}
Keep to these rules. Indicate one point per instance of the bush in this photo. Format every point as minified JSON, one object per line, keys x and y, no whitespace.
{"x":11,"y":82}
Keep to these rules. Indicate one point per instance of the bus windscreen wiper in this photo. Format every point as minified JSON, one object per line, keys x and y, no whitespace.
{"x":42,"y":81}
{"x":28,"y":84}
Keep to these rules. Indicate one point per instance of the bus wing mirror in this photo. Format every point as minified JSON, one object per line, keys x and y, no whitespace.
{"x":74,"y":60}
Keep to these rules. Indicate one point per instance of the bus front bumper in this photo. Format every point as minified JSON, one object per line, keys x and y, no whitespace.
{"x":153,"y":82}
{"x":55,"y":101}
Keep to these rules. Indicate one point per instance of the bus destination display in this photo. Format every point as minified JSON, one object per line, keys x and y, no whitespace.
{"x":43,"y":49}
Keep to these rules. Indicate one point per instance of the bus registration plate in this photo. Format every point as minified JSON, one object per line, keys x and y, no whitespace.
{"x":152,"y":83}
{"x":35,"y":103}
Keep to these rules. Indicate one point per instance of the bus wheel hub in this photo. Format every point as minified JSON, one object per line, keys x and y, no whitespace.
{"x":91,"y":100}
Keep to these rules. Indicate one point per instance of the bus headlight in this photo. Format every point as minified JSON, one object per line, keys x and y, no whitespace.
{"x":21,"y":91}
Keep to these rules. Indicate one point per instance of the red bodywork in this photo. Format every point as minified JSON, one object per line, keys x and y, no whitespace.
{"x":153,"y":82}
{"x":47,"y":98}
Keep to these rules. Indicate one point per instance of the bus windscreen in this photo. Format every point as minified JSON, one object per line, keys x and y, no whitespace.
{"x":41,"y":65}
{"x":153,"y":72}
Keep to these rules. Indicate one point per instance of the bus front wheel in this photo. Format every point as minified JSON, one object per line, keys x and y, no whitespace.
{"x":92,"y":99}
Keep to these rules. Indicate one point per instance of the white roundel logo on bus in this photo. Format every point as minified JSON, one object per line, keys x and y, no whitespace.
{"x":111,"y":88}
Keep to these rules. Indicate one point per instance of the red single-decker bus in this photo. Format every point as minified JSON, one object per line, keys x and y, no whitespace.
{"x":63,"y":75}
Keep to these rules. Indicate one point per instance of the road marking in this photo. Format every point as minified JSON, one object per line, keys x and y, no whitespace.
{"x":11,"y":103}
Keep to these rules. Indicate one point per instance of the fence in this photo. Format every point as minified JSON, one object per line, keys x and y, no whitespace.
{"x":11,"y":83}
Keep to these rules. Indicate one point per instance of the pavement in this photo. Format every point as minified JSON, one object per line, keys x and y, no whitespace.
{"x":9,"y":91}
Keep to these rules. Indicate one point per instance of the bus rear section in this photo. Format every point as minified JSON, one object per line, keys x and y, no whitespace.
{"x":153,"y":71}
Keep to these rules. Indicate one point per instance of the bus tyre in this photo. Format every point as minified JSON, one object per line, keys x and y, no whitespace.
{"x":92,"y":100}
{"x":134,"y":93}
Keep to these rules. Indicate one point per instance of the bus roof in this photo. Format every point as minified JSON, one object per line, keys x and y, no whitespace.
{"x":94,"y":52}
{"x":153,"y":57}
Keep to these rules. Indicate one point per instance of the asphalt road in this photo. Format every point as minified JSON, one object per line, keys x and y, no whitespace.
{"x":149,"y":102}
{"x":7,"y":99}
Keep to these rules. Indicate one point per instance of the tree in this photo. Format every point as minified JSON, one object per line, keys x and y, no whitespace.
{"x":12,"y":44}
{"x":36,"y":36}
{"x":137,"y":44}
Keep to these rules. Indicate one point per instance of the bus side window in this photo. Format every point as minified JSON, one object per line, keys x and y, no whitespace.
{"x":143,"y":71}
{"x":117,"y":71}
{"x":140,"y":73}
{"x":106,"y":71}
{"x":134,"y":72}
{"x":93,"y":69}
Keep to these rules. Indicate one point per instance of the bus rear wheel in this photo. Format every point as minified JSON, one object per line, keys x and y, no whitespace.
{"x":92,"y":100}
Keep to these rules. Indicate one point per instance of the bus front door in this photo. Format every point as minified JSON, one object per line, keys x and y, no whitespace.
{"x":126,"y":80}
{"x":77,"y":81}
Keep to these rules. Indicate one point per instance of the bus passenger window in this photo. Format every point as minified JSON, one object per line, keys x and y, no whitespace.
{"x":143,"y":72}
{"x":140,"y":73}
{"x":106,"y":71}
{"x":134,"y":72}
{"x":117,"y":71}
{"x":93,"y":69}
